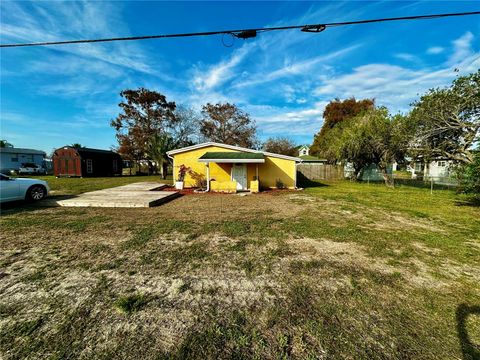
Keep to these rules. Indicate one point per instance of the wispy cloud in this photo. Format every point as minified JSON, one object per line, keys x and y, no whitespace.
{"x":462,"y":48}
{"x":295,"y":68}
{"x":397,"y":86}
{"x":406,"y":57}
{"x":435,"y":50}
{"x":218,"y":74}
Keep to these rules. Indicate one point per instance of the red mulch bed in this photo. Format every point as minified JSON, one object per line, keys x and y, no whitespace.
{"x":191,"y":191}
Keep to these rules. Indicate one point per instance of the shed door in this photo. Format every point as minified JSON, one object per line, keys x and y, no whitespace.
{"x":239,"y":174}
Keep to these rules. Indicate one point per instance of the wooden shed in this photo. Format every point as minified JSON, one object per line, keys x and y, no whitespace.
{"x":86,"y":162}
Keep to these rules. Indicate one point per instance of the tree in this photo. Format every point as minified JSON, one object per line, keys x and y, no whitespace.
{"x":227,"y":124}
{"x":77,"y":146}
{"x":374,"y":137}
{"x":186,"y":129}
{"x":448,"y":121}
{"x":280,"y":145}
{"x":469,"y":175}
{"x":157,"y":150}
{"x":335,"y":113}
{"x":5,"y":144}
{"x":145,"y":114}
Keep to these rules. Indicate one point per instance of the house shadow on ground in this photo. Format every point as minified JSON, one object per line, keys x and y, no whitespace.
{"x":470,"y":349}
{"x":304,"y":182}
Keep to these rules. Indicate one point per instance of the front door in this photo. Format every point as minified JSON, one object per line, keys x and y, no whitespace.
{"x":239,"y":174}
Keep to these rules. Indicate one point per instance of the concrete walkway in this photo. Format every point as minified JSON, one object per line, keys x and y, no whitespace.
{"x":141,"y":194}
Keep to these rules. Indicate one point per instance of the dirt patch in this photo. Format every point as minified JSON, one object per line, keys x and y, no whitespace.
{"x":353,"y":255}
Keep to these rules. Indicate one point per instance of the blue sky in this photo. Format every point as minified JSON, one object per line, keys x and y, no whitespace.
{"x":52,"y":96}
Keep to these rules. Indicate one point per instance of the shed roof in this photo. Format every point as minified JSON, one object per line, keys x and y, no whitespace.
{"x":232,"y":157}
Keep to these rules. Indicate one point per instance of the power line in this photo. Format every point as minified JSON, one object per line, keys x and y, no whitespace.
{"x":245,"y":33}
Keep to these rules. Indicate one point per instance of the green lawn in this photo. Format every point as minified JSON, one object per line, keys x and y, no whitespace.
{"x":341,"y":270}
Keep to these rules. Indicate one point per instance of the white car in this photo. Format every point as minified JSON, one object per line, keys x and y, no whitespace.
{"x":12,"y":189}
{"x":30,"y":168}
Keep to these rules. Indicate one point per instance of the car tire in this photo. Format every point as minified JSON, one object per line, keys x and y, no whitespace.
{"x":36,"y":193}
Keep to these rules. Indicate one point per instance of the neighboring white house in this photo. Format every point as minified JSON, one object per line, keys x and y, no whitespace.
{"x":436,"y":169}
{"x":12,"y":158}
{"x":304,"y":150}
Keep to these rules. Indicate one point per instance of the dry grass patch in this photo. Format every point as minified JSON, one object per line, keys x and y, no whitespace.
{"x":339,"y":271}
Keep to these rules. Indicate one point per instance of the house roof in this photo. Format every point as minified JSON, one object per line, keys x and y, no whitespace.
{"x":14,"y":150}
{"x":231,"y":147}
{"x":232,"y":157}
{"x":310,"y":158}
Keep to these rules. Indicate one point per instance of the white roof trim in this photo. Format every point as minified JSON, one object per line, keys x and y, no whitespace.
{"x":226,"y":161}
{"x":231,"y":147}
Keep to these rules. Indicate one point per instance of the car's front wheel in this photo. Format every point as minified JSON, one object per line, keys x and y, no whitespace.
{"x":36,"y":193}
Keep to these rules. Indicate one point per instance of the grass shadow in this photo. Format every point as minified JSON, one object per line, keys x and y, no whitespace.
{"x":473,"y":201}
{"x":470,"y":350}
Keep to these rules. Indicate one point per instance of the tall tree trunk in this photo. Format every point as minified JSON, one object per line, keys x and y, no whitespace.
{"x":164,"y":170}
{"x":426,"y":170}
{"x":386,"y":177}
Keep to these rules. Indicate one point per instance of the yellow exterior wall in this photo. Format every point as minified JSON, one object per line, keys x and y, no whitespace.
{"x":268,"y":173}
{"x":224,"y":186}
{"x":219,"y":172}
{"x":276,"y":168}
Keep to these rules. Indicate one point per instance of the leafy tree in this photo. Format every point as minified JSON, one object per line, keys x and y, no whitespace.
{"x":145,"y":114}
{"x":227,"y":124}
{"x":5,"y":144}
{"x":77,"y":146}
{"x":157,"y":150}
{"x":280,"y":145}
{"x":448,"y":121}
{"x":335,"y":113}
{"x":469,"y":175}
{"x":374,"y":137}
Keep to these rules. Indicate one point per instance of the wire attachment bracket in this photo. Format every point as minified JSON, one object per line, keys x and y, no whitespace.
{"x":313,"y":28}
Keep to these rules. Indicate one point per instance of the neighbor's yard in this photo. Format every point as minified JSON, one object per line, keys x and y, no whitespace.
{"x":337,"y":271}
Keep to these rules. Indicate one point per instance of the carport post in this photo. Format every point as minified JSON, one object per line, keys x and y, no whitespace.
{"x":256,"y":171}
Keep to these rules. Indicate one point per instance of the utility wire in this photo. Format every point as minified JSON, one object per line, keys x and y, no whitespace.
{"x":244,"y":33}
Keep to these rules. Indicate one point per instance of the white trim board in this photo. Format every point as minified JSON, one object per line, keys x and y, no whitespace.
{"x":236,"y":161}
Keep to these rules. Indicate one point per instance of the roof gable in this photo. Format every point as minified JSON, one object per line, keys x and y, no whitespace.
{"x":231,"y":147}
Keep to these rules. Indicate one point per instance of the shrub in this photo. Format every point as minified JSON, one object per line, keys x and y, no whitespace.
{"x":200,"y":181}
{"x":469,"y":176}
{"x":279,"y":184}
{"x":182,"y":171}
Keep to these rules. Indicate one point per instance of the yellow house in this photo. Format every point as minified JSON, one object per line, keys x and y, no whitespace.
{"x":228,"y":168}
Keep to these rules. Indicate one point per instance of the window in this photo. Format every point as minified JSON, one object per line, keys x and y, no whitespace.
{"x":441,"y":163}
{"x":14,"y":157}
{"x":89,"y":166}
{"x":115,"y":166}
